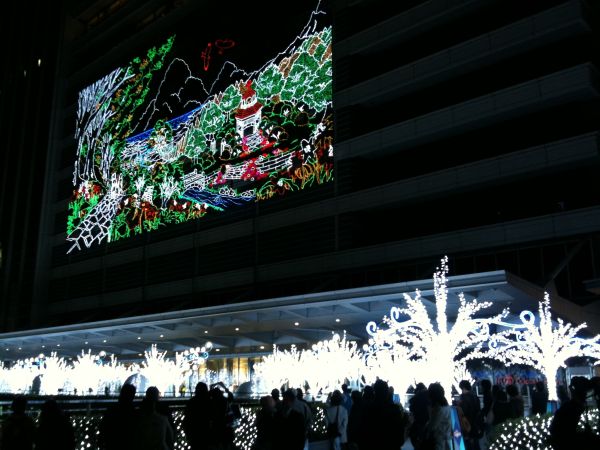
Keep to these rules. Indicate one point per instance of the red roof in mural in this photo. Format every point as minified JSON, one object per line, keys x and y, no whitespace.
{"x":242,"y":113}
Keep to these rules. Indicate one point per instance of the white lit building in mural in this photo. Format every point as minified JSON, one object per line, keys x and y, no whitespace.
{"x":248,"y":114}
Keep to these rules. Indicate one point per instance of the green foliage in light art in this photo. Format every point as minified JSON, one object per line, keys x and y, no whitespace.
{"x":266,"y":135}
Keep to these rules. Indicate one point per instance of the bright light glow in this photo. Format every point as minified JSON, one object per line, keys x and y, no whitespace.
{"x":93,"y":374}
{"x":237,"y":329}
{"x":341,"y":358}
{"x":337,"y":320}
{"x":295,"y":324}
{"x":300,"y":367}
{"x":437,"y":351}
{"x":538,"y":343}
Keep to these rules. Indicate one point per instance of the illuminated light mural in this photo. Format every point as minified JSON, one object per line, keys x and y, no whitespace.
{"x":178,"y":134}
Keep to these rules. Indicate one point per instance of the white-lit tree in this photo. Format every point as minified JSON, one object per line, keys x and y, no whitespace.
{"x":539,"y":343}
{"x":162,"y":372}
{"x":167,"y":188}
{"x":440,"y":349}
{"x":391,"y":364}
{"x":343,"y":361}
{"x":114,"y":374}
{"x":280,"y":368}
{"x":93,"y":112}
{"x":19,"y":377}
{"x":54,"y":372}
{"x":85,"y":375}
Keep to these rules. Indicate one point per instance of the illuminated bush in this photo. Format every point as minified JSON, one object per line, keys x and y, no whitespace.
{"x":533,"y":433}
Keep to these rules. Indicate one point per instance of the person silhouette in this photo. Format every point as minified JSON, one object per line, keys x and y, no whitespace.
{"x":116,"y":425}
{"x":153,"y":430}
{"x":197,"y":418}
{"x":55,"y":430}
{"x":18,"y":428}
{"x":564,"y":432}
{"x":539,"y":398}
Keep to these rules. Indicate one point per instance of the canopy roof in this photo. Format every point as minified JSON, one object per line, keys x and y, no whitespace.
{"x":254,"y":327}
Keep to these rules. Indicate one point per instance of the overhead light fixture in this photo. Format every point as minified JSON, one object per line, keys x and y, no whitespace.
{"x":43,"y":346}
{"x":139,"y":337}
{"x":162,"y":336}
{"x":296,"y":323}
{"x":262,"y":347}
{"x":58,"y":345}
{"x":218,"y":350}
{"x":86,"y":342}
{"x":237,"y":329}
{"x":205,"y":331}
{"x":20,"y":348}
{"x":337,"y":320}
{"x":104,"y":340}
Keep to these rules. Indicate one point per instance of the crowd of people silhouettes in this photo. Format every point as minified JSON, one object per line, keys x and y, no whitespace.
{"x":371,"y":419}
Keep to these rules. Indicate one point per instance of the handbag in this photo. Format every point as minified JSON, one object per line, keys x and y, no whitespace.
{"x":332,"y":428}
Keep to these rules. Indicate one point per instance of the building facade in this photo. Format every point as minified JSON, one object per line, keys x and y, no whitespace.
{"x":463,"y":127}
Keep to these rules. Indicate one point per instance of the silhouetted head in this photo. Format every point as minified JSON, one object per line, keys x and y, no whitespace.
{"x":381,"y":389}
{"x":420,"y":388}
{"x":337,"y":398}
{"x":356,"y":397}
{"x":512,"y":390}
{"x":580,"y":386}
{"x":267,"y":403}
{"x":465,"y":385}
{"x":299,"y":394}
{"x":275,"y":394}
{"x":289,"y":396}
{"x":19,"y":404}
{"x":495,"y":390}
{"x":436,"y":395}
{"x":127,"y":393}
{"x":345,"y":389}
{"x":201,"y":389}
{"x":368,"y":393}
{"x":152,"y":393}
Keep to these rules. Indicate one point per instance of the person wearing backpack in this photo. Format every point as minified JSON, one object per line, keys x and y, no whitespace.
{"x":337,"y":421}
